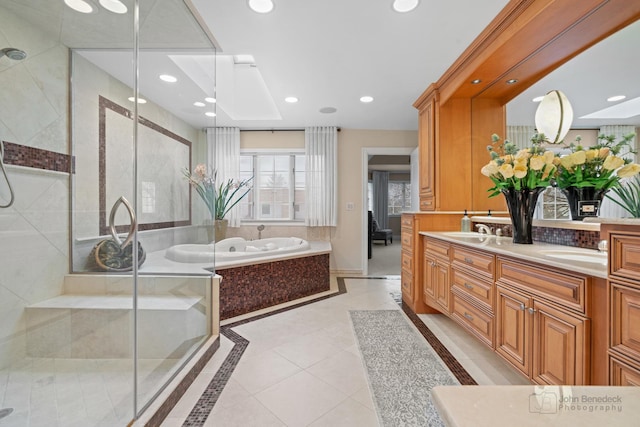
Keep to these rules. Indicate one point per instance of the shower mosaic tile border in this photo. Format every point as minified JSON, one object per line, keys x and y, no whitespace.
{"x":210,"y":396}
{"x":37,"y":158}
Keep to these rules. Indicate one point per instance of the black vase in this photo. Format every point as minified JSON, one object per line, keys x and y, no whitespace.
{"x":521,"y":205}
{"x":583,"y":201}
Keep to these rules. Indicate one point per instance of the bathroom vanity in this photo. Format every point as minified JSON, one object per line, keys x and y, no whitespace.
{"x":541,"y":307}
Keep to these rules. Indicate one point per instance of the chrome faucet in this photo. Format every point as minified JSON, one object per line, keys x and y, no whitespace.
{"x":260,"y":228}
{"x":482,"y":228}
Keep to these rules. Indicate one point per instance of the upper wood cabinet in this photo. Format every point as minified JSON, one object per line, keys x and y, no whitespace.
{"x":526,"y":41}
{"x":427,"y":134}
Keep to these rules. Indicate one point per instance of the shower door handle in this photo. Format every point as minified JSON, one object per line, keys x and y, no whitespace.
{"x":112,"y":219}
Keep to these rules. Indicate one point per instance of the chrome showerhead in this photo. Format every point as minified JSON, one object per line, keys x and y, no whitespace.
{"x":13,"y":53}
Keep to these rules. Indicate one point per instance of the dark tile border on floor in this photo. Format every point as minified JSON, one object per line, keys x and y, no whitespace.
{"x":210,"y":396}
{"x":452,"y":363}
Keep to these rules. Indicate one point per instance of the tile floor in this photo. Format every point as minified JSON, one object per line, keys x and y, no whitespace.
{"x":302,"y":367}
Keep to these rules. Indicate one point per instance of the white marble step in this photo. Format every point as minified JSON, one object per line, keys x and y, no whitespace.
{"x":120,"y":302}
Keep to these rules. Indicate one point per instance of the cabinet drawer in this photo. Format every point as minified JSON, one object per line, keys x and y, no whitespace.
{"x":625,"y":320}
{"x":474,"y":319}
{"x":625,"y":256}
{"x":559,"y":287}
{"x":427,"y":204}
{"x":623,"y":373}
{"x":478,"y":290}
{"x":407,"y":261}
{"x":407,"y":286}
{"x":407,"y":240}
{"x":406,"y":221}
{"x":436,"y":247}
{"x":479,"y":262}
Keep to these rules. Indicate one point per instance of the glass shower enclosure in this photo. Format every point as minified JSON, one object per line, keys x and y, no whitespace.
{"x":98,"y":124}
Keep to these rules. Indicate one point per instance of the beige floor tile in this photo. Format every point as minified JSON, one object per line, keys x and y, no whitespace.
{"x":307,"y":350}
{"x":343,"y":371}
{"x":249,"y":413}
{"x":348,"y":414}
{"x":364,"y":397}
{"x":300,"y":399}
{"x":257,"y":373}
{"x":232,"y":395}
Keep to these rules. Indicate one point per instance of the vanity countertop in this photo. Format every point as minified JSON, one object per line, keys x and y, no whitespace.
{"x":496,"y":406}
{"x":580,"y":260}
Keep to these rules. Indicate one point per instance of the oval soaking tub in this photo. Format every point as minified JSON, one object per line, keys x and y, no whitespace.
{"x":236,"y":248}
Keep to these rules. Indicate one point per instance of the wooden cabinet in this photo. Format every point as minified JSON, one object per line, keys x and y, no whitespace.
{"x":427,"y":135}
{"x":547,"y":341}
{"x":407,"y":272}
{"x":624,"y":304}
{"x":436,"y":286}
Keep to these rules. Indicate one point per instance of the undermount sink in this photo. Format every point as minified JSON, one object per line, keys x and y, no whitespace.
{"x":595,"y":257}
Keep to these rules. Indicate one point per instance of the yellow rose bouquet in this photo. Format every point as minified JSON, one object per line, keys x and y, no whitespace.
{"x":601,"y":166}
{"x":519,"y":169}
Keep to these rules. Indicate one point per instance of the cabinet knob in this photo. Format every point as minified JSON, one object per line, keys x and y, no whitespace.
{"x":468,"y":316}
{"x":434,"y":264}
{"x":468,"y":286}
{"x":532,"y":310}
{"x":522,"y":307}
{"x":468,"y":260}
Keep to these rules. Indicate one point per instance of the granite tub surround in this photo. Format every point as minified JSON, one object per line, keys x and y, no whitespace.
{"x":496,"y":406}
{"x":250,"y":288}
{"x":580,"y":260}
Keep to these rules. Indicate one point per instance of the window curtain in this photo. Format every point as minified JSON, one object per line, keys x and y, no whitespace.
{"x":520,"y":135}
{"x":321,"y":146}
{"x":381,"y":198}
{"x":223,"y":155}
{"x":610,"y":209}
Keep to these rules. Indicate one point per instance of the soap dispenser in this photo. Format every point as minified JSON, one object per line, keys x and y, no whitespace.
{"x":465,"y":223}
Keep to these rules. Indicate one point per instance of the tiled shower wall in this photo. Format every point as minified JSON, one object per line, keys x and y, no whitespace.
{"x":34,"y":247}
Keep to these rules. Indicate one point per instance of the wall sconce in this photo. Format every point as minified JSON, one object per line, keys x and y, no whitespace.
{"x":554,"y":116}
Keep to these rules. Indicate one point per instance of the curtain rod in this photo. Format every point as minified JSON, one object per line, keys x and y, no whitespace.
{"x":276,"y":130}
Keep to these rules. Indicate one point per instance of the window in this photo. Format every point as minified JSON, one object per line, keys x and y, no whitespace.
{"x":278,"y":186}
{"x":553,"y":204}
{"x":399,"y":197}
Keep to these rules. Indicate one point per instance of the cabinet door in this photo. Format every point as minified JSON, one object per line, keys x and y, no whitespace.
{"x":623,"y":373}
{"x":443,"y":287}
{"x":429,"y":279}
{"x":426,"y":137}
{"x":559,"y":346}
{"x":513,"y":328}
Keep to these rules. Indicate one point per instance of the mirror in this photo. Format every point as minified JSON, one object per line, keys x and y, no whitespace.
{"x":607,"y":69}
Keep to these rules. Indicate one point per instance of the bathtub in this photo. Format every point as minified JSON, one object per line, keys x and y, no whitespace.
{"x":236,"y":248}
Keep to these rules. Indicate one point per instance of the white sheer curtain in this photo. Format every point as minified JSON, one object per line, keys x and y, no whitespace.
{"x":520,"y":135}
{"x":321,"y":146}
{"x":381,"y":198}
{"x":609,"y":209}
{"x":223,"y":155}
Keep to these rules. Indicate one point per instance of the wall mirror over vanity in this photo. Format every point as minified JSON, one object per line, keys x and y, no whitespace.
{"x":559,"y":310}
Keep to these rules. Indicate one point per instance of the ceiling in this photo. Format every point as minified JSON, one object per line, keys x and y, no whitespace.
{"x":326,"y":53}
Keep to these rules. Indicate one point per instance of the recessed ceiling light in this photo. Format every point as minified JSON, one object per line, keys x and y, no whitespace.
{"x":140,"y":100}
{"x":167,"y":78}
{"x":210,"y":100}
{"x":210,"y":114}
{"x":616,"y":98}
{"x":405,"y":5}
{"x":79,"y":6}
{"x":512,"y":81}
{"x":291,"y":99}
{"x":261,"y":6}
{"x":538,"y":98}
{"x":476,"y":81}
{"x":366,"y":99}
{"x":115,"y":6}
{"x":198,"y":104}
{"x":328,"y":110}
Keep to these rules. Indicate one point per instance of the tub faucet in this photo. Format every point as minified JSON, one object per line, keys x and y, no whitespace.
{"x":482,"y":228}
{"x":260,"y":228}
